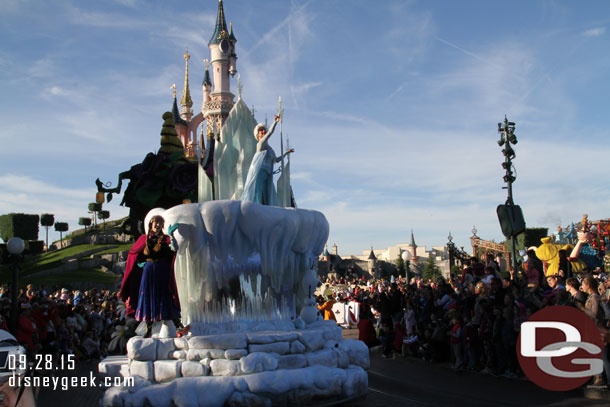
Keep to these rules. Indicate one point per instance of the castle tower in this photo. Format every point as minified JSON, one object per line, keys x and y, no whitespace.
{"x":413,"y":248}
{"x":372,"y":263}
{"x":186,"y":102}
{"x":206,"y":86}
{"x":223,"y":61}
{"x":186,"y":124}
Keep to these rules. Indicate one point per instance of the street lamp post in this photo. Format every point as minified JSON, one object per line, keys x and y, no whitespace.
{"x":15,"y":246}
{"x":511,"y":217}
{"x":451,"y":251}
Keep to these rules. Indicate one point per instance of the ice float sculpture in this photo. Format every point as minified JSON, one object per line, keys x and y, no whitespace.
{"x":246,"y":274}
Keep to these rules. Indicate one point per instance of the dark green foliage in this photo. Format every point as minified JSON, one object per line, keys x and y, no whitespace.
{"x":95,"y":207}
{"x":19,"y":224}
{"x":36,"y":246}
{"x":431,"y":270}
{"x":61,"y":226}
{"x":47,"y":219}
{"x":3,"y":254}
{"x":400,"y":266}
{"x":103,"y":215}
{"x":84,"y":221}
{"x":161,"y":180}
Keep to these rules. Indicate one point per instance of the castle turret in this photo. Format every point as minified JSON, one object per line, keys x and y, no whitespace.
{"x":372,"y":263}
{"x":207,"y":82}
{"x":223,"y":57}
{"x":176,"y":113}
{"x":233,"y":57}
{"x":186,"y":102}
{"x":413,"y":248}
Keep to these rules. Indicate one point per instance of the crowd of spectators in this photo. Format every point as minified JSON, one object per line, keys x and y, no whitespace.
{"x":472,"y":320}
{"x":59,"y":321}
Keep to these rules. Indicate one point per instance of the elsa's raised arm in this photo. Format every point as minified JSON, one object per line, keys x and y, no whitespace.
{"x":263,"y":140}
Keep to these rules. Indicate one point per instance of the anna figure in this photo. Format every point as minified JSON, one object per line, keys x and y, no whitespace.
{"x":259,"y":182}
{"x":149,"y":285}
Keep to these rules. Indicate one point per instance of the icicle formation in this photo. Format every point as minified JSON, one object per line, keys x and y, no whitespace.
{"x":271,"y":251}
{"x":234,"y":152}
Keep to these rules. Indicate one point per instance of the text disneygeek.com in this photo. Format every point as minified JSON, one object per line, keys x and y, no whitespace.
{"x":64,"y":383}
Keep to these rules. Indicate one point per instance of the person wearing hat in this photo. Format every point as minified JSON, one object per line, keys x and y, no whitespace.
{"x":259,"y":182}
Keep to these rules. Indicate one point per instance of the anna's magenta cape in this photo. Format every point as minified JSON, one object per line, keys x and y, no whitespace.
{"x":130,"y":288}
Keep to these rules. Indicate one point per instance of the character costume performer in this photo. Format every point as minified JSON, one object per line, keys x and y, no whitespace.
{"x":259,"y":182}
{"x":149,"y":285}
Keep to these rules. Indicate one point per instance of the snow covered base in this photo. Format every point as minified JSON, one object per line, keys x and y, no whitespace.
{"x":262,"y":368}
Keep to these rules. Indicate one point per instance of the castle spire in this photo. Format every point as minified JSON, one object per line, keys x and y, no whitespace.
{"x":372,"y":255}
{"x":412,"y":240}
{"x":175,"y":111}
{"x":231,"y":35}
{"x":206,"y":77}
{"x":220,"y":31}
{"x":186,"y":100}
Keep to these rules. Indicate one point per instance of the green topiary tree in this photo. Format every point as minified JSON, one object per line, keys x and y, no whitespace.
{"x":47,"y":220}
{"x":61,"y":227}
{"x":94,"y":208}
{"x":84,"y":222}
{"x":103,"y":215}
{"x":19,"y":225}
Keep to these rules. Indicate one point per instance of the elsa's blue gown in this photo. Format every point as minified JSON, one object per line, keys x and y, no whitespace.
{"x":259,"y":182}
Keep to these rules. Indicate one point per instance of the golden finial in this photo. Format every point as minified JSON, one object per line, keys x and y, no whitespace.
{"x":173,"y":88}
{"x":207,"y":63}
{"x":186,"y":93}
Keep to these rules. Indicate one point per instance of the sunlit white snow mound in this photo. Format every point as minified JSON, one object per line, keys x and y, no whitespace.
{"x":240,"y":261}
{"x":294,"y":368}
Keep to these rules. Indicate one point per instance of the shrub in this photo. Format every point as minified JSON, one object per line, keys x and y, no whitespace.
{"x":95,"y":207}
{"x":61,"y":226}
{"x":20,"y":225}
{"x":47,"y":220}
{"x":36,"y":246}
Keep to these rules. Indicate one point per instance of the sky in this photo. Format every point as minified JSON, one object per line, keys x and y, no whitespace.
{"x":392,"y":106}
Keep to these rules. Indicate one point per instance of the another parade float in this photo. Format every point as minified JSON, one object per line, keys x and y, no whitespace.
{"x":245,"y":271}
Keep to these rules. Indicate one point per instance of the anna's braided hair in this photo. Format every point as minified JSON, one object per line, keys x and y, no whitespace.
{"x":154,"y":238}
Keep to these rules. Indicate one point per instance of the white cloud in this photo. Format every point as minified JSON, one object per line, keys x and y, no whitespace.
{"x":595,"y":32}
{"x":57,"y":91}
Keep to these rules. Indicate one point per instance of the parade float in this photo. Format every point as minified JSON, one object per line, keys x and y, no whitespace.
{"x":245,"y":272}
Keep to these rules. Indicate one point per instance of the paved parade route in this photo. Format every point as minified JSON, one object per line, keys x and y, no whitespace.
{"x":401,"y":382}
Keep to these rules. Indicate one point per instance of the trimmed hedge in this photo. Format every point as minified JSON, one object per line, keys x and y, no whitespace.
{"x":95,"y":207}
{"x":47,"y":219}
{"x":36,"y":246}
{"x":61,"y":226}
{"x":84,"y":221}
{"x":21,"y":225}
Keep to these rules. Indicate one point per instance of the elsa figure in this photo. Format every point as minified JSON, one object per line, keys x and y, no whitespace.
{"x":259,"y":182}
